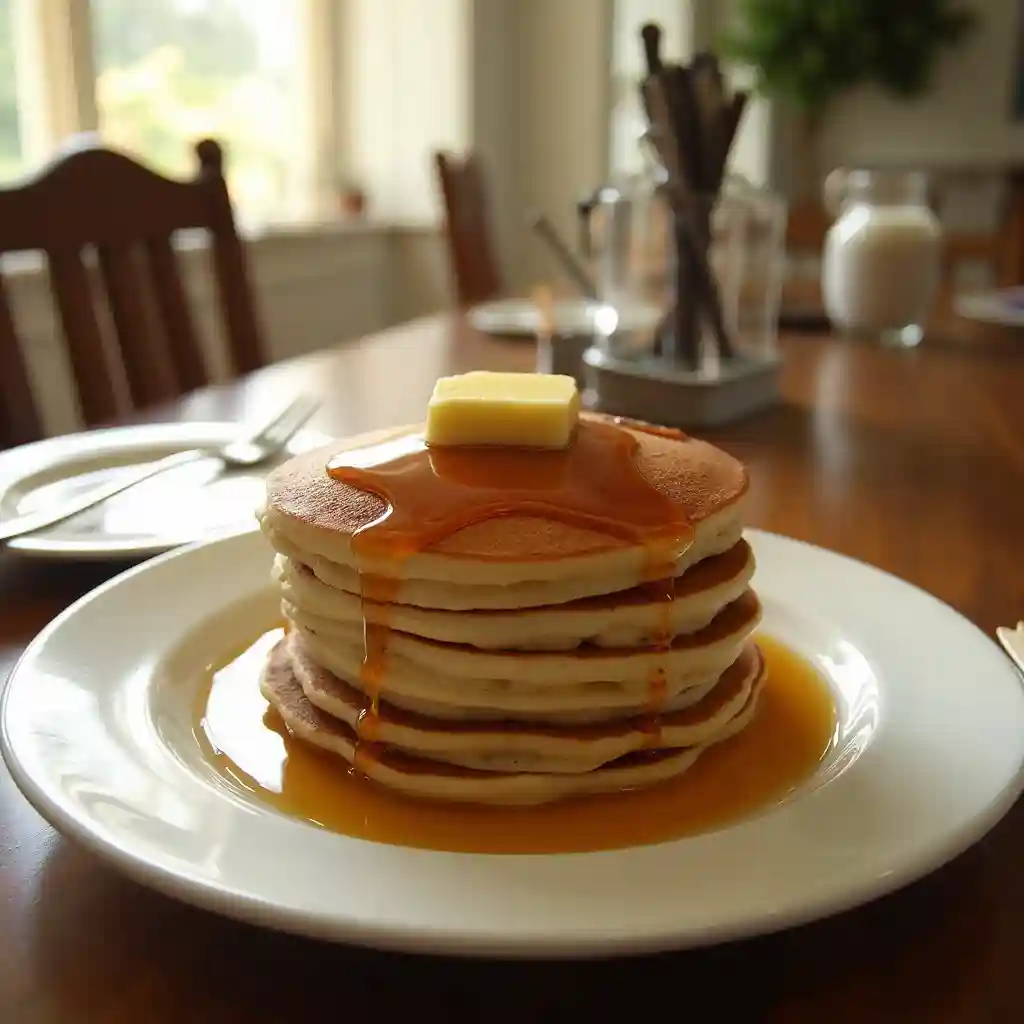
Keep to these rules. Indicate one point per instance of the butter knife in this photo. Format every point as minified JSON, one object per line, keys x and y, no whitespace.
{"x":1013,"y":643}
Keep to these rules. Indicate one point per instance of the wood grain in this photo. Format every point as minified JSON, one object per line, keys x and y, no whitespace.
{"x":913,"y":461}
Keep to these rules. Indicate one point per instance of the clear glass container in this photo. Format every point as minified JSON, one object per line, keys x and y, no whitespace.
{"x":882,"y":259}
{"x":625,"y":237}
{"x":748,"y":257}
{"x":636,"y":271}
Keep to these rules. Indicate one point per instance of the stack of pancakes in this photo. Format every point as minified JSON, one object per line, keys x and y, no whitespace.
{"x":521,"y":659}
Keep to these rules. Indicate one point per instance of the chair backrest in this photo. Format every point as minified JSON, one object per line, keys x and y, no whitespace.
{"x":467,"y":228}
{"x":92,"y":199}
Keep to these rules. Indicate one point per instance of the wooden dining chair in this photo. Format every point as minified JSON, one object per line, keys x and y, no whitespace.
{"x":95,"y":202}
{"x":474,"y":266}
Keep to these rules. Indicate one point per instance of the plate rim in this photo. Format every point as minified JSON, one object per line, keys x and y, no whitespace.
{"x":459,"y":940}
{"x":197,"y":432}
{"x":986,"y":307}
{"x":516,"y":316}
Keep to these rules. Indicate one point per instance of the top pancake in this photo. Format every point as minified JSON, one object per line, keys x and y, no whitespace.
{"x":315,"y":514}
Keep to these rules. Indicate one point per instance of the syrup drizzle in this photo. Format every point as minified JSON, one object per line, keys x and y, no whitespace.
{"x":255,"y":756}
{"x":432,"y":493}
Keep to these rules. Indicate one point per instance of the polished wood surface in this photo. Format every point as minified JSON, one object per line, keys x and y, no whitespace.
{"x":91,"y":198}
{"x":912,"y":461}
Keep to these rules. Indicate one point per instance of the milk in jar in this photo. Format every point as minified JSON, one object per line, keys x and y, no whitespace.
{"x":881,"y":264}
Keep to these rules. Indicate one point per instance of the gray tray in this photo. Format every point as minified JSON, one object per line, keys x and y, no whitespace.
{"x":647,"y":390}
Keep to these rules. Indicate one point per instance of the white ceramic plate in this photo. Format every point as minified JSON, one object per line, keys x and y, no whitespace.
{"x":519,"y":317}
{"x":179,"y":507}
{"x":1004,"y":307}
{"x":929,"y":756}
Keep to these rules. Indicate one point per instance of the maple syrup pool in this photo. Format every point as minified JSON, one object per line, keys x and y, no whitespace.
{"x":247,"y":749}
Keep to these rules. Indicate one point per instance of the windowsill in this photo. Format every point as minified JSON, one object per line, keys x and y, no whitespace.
{"x":32,"y":263}
{"x":315,"y":228}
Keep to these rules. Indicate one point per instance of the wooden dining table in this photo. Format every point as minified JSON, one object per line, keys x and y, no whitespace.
{"x":912,"y":461}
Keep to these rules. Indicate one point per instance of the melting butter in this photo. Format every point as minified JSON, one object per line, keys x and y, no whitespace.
{"x":516,"y":410}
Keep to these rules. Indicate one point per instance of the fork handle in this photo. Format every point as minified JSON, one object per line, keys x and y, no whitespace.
{"x":19,"y":526}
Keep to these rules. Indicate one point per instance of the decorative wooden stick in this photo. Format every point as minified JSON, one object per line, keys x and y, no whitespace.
{"x":693,"y":123}
{"x":695,"y":283}
{"x":710,"y":101}
{"x":680,"y":342}
{"x":650,"y":34}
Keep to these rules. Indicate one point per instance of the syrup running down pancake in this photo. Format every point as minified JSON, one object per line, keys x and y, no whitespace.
{"x":514,"y":626}
{"x":526,"y":556}
{"x":628,"y":618}
{"x":623,"y":756}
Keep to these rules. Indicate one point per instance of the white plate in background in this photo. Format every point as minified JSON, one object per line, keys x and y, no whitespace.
{"x":1004,"y":307}
{"x":520,"y":317}
{"x":179,"y":507}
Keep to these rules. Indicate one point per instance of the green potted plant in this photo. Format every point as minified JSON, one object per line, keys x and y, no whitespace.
{"x":805,"y":53}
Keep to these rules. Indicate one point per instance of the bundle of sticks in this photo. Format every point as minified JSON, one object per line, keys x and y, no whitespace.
{"x":692,"y":123}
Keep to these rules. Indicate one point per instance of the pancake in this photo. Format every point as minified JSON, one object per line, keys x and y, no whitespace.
{"x":512,"y":627}
{"x":413,"y":688}
{"x":633,"y":617}
{"x":683,"y":655}
{"x":317,"y":516}
{"x":713,"y":539}
{"x":525,"y":746}
{"x":427,"y":778}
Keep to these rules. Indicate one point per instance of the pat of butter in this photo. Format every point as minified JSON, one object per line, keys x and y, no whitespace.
{"x":515,"y":410}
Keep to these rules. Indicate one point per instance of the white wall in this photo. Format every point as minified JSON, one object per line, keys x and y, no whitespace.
{"x":523,"y":82}
{"x":561,"y":88}
{"x":964,"y":119}
{"x":493,"y":115}
{"x":406,"y":93}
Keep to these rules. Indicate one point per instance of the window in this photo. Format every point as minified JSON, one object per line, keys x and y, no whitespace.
{"x":306,"y":96}
{"x":169,"y":73}
{"x":11,"y":164}
{"x":153,"y":77}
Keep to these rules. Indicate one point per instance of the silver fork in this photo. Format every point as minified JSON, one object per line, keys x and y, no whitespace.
{"x":1013,"y":643}
{"x":258,"y":447}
